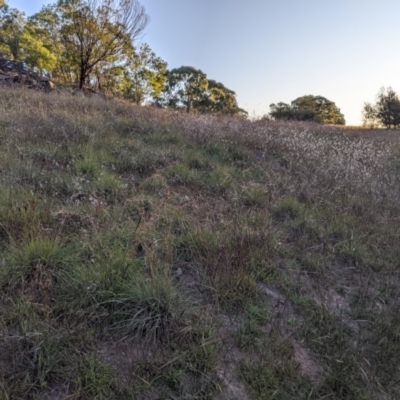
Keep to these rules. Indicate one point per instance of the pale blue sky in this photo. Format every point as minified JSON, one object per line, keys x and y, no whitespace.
{"x":277,"y":50}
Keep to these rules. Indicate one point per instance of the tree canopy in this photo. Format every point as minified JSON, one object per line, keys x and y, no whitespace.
{"x":385,"y":112}
{"x":145,"y":75}
{"x":284,"y":111}
{"x":92,"y":43}
{"x":189,"y":88}
{"x":308,"y":108}
{"x":19,"y":41}
{"x":325,"y":110}
{"x":185,"y":88}
{"x":219,"y":99}
{"x":99,"y":32}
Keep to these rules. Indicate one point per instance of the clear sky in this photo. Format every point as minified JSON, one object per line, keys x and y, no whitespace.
{"x":277,"y":50}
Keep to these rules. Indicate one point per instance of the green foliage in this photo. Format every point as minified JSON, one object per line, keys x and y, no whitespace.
{"x":91,"y":43}
{"x":90,"y":39}
{"x":47,"y":25}
{"x":309,"y":108}
{"x":220,"y":99}
{"x":189,"y":88}
{"x":185,"y":88}
{"x":286,"y":112}
{"x":12,"y":23}
{"x":145,"y":75}
{"x":385,"y":112}
{"x":19,"y":41}
{"x":35,"y":53}
{"x":326,"y":111}
{"x":370,"y":117}
{"x":149,"y":307}
{"x":95,"y":33}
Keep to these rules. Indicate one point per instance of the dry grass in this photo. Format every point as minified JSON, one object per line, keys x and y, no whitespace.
{"x":148,"y":254}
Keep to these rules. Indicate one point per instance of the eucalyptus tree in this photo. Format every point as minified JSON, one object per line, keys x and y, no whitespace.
{"x":185,"y":88}
{"x":309,"y":108}
{"x":385,"y":112}
{"x":286,"y":112}
{"x":47,"y":24}
{"x":388,"y":108}
{"x":325,"y":110}
{"x":189,"y":88}
{"x":89,"y":36}
{"x":95,"y":32}
{"x":145,"y":75}
{"x":370,"y":116}
{"x":219,"y":99}
{"x":12,"y":24}
{"x":18,"y":40}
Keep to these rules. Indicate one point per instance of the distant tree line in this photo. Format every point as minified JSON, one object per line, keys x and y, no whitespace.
{"x":385,"y":112}
{"x":91,"y":43}
{"x":308,"y":108}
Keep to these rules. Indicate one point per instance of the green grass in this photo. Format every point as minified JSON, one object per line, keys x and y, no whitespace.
{"x":147,"y":254}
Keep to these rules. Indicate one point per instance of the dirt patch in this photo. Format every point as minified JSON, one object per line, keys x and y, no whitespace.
{"x":282,"y":309}
{"x":123,"y":356}
{"x":60,"y":392}
{"x":6,"y":355}
{"x":331,"y":300}
{"x":232,"y":388}
{"x":273,"y":294}
{"x":328,"y":298}
{"x":338,"y":305}
{"x":308,"y":365}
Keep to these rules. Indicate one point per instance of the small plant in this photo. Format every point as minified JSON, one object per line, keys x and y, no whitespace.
{"x":95,"y":379}
{"x":35,"y":257}
{"x":254,"y":196}
{"x":88,"y":165}
{"x":287,"y":209}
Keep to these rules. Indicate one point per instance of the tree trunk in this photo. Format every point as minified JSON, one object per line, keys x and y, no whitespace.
{"x":82,"y":75}
{"x":81,"y":80}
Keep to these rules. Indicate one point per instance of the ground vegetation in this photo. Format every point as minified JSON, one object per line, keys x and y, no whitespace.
{"x":151,"y":254}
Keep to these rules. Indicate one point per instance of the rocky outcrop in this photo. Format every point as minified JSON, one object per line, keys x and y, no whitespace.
{"x":13,"y":74}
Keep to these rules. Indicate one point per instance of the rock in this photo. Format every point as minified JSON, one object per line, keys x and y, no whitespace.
{"x":47,"y":85}
{"x":178,"y":273}
{"x":17,"y":74}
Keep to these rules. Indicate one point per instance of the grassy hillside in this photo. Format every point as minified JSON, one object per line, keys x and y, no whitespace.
{"x":148,"y":254}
